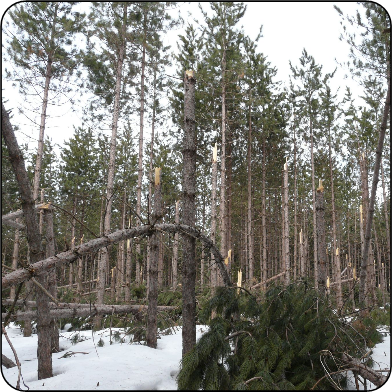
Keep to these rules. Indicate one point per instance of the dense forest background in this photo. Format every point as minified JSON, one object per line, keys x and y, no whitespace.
{"x":266,"y":153}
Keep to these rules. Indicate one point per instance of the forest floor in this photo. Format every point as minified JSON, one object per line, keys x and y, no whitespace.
{"x":84,"y":364}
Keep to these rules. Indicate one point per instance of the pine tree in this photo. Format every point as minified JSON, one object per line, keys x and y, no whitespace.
{"x":47,"y":54}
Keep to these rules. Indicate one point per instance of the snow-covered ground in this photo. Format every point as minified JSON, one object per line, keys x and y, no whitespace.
{"x":111,"y":367}
{"x":119,"y":365}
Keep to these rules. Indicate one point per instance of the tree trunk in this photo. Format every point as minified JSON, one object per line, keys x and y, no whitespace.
{"x":15,"y":258}
{"x":189,"y":215}
{"x":315,"y":251}
{"x":48,"y":77}
{"x":140,"y":162}
{"x":35,"y":246}
{"x":249,"y":225}
{"x":335,"y":254}
{"x":320,"y":236}
{"x":151,"y":335}
{"x":223,"y":204}
{"x":175,"y":248}
{"x":286,"y":231}
{"x":214,"y":271}
{"x":104,"y":260}
{"x":52,"y":280}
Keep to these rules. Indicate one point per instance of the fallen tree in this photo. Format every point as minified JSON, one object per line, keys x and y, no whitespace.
{"x":364,"y":371}
{"x":41,"y":267}
{"x":83,"y":310}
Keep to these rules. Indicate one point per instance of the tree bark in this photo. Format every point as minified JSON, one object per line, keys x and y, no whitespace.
{"x":175,"y":248}
{"x":52,"y":281}
{"x":214,"y":175}
{"x":15,"y":257}
{"x":151,"y":335}
{"x":320,"y":236}
{"x":250,"y":206}
{"x":286,"y":232}
{"x":48,"y":77}
{"x":35,"y":246}
{"x":188,"y":216}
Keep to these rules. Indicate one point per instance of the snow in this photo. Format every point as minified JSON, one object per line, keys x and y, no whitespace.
{"x":116,"y":366}
{"x":381,"y":356}
{"x":121,"y":365}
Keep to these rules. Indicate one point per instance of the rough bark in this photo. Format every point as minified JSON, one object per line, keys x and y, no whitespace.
{"x":175,"y":248}
{"x":250,"y":205}
{"x":15,"y":258}
{"x":140,"y":162}
{"x":335,"y":253}
{"x":214,"y":177}
{"x":35,"y":246}
{"x":52,"y":281}
{"x":315,"y":251}
{"x":151,"y":334}
{"x":320,"y":236}
{"x":188,"y":216}
{"x":286,"y":231}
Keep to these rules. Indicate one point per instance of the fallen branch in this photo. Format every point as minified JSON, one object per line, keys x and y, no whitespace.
{"x":15,"y":355}
{"x":41,"y":267}
{"x":81,"y":310}
{"x":8,"y":363}
{"x":365,"y":371}
{"x":268,"y":280}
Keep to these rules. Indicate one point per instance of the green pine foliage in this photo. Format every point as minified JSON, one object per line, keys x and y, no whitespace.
{"x":279,"y":342}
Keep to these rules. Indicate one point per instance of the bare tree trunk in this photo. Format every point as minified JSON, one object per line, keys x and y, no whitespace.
{"x":15,"y":257}
{"x":214,"y":271}
{"x":104,"y":260}
{"x":48,"y":77}
{"x":335,"y":254}
{"x":175,"y":248}
{"x":387,"y":221}
{"x":52,"y":278}
{"x":286,"y":232}
{"x":295,"y":256}
{"x":128,"y":268}
{"x":151,"y":336}
{"x":370,"y":212}
{"x":320,"y":236}
{"x":140,"y":163}
{"x":250,"y":206}
{"x":223,"y":204}
{"x":315,"y":251}
{"x":189,"y":215}
{"x":35,"y":246}
{"x":263,"y":218}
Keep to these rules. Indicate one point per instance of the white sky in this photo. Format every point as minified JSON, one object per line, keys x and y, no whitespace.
{"x":288,"y":28}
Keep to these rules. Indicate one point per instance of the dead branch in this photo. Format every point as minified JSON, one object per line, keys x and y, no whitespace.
{"x":365,"y":371}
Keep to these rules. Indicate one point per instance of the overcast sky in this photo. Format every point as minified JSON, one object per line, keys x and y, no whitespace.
{"x":288,"y":28}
